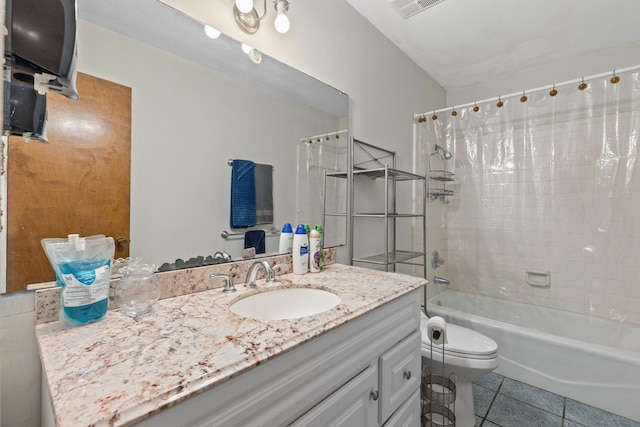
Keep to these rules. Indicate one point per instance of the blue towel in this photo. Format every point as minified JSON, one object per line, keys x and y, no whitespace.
{"x":243,"y":194}
{"x":255,"y":239}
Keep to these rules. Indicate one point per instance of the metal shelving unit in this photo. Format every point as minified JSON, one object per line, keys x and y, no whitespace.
{"x":379,"y":164}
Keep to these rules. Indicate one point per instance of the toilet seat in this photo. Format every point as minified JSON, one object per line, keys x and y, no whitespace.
{"x":460,"y":342}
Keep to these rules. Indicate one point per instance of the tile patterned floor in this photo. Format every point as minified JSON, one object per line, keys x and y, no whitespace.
{"x":502,"y":402}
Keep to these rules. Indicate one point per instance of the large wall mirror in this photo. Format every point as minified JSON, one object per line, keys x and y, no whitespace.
{"x":196,"y":103}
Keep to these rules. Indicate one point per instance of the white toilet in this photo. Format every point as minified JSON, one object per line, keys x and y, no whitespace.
{"x":469,"y":355}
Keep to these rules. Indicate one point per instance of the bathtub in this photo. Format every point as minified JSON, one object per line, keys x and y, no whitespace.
{"x":591,"y":360}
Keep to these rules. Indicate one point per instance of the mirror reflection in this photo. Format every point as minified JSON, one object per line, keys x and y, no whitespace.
{"x":197,"y":102}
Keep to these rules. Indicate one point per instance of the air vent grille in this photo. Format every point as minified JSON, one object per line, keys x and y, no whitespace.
{"x":408,"y":8}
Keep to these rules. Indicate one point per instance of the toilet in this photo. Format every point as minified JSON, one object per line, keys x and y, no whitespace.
{"x":469,"y":355}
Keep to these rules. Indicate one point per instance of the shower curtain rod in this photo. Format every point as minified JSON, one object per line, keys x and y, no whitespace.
{"x":327,"y":135}
{"x":417,"y":116}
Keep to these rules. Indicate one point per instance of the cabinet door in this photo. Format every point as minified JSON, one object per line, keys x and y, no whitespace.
{"x":355,"y":404}
{"x":408,"y":415}
{"x":399,"y":374}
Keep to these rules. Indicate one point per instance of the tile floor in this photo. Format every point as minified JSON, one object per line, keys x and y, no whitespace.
{"x":502,"y":402}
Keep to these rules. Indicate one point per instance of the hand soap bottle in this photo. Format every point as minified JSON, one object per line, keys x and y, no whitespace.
{"x":286,"y":239}
{"x":300,"y":251}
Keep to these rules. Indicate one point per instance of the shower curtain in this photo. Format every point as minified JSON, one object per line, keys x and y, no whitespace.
{"x":315,"y":157}
{"x":547,"y":196}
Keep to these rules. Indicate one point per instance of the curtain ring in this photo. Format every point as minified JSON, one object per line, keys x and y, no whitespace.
{"x":553,"y":92}
{"x":582,"y":85}
{"x":500,"y":103}
{"x":454,"y":112}
{"x":475,"y":107}
{"x":434,"y":117}
{"x":615,"y":79}
{"x":523,"y":98}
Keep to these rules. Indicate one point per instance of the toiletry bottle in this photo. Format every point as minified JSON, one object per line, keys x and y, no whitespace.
{"x":286,"y":239}
{"x":300,"y":251}
{"x":320,"y":230}
{"x":315,"y":250}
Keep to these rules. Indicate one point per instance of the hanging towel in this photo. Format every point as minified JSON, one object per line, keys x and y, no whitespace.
{"x":264,"y":194}
{"x":243,"y":194}
{"x":255,"y":239}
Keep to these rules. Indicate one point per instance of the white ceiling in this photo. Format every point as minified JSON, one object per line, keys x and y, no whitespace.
{"x":460,"y":43}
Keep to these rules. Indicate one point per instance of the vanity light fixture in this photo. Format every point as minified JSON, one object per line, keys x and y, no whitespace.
{"x":254,"y":55}
{"x":248,"y":20}
{"x":211,"y":32}
{"x":282,"y":21}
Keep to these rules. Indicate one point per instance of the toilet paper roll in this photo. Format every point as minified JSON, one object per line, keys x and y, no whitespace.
{"x":437,"y":330}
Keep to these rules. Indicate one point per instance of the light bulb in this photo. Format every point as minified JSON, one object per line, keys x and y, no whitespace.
{"x":211,"y":32}
{"x":282,"y":23}
{"x":244,"y":6}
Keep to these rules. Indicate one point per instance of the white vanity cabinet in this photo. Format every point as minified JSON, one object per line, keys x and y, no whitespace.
{"x":363,"y":373}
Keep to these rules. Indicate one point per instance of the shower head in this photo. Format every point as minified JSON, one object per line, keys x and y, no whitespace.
{"x":446,"y":154}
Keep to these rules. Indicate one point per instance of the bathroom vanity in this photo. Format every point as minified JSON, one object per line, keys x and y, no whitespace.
{"x":192,"y":362}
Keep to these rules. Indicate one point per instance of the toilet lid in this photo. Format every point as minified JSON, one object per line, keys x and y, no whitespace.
{"x":461,"y":342}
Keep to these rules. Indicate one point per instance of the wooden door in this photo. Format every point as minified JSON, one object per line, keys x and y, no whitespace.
{"x":78,"y":183}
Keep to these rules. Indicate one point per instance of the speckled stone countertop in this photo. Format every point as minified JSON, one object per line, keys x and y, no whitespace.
{"x":121,"y":370}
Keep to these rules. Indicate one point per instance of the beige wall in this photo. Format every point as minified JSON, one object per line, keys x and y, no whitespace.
{"x":574,"y":68}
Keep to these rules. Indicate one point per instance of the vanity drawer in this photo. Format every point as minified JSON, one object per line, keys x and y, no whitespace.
{"x":408,"y":415}
{"x":399,"y":374}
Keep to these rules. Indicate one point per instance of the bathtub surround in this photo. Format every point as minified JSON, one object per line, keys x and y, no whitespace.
{"x":547,"y":184}
{"x":594,"y":361}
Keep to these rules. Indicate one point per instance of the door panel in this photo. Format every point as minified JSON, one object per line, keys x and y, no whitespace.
{"x":78,"y":183}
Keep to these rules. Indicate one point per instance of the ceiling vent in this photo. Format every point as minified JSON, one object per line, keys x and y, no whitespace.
{"x":408,"y":8}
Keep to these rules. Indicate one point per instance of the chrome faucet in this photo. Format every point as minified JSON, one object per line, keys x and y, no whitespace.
{"x":222,"y":255}
{"x":440,"y":281}
{"x":250,"y":281}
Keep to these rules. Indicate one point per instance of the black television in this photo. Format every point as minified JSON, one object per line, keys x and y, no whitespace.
{"x":40,"y":46}
{"x":25,"y":111}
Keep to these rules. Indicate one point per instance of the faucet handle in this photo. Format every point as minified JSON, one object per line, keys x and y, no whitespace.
{"x":273,"y":278}
{"x":229,"y":287}
{"x":436,"y":261}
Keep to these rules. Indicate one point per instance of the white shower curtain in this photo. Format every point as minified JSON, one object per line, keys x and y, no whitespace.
{"x":314,"y":159}
{"x":545,"y":190}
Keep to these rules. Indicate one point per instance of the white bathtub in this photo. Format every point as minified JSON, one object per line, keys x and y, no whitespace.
{"x":589,"y":359}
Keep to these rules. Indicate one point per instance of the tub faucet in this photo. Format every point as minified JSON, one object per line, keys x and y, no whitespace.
{"x":440,"y":281}
{"x":250,"y":281}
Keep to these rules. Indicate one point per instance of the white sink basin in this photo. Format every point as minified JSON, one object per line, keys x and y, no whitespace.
{"x":289,"y":303}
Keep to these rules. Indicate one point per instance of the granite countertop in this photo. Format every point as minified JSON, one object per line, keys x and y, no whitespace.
{"x":121,"y":370}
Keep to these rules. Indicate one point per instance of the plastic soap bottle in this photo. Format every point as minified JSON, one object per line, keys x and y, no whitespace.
{"x":300,"y":251}
{"x":320,"y":230}
{"x":286,"y":239}
{"x":315,"y":250}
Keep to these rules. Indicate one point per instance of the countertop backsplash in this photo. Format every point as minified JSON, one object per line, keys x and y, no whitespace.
{"x":175,"y":283}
